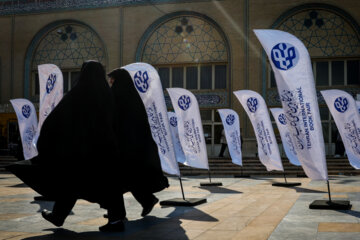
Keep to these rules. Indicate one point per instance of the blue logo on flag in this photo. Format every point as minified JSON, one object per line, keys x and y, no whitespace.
{"x":173,"y":121}
{"x":252,"y":104}
{"x":26,"y":111}
{"x":284,"y":56}
{"x":50,"y":82}
{"x":141,"y":81}
{"x":230,"y":119}
{"x":184,"y":102}
{"x":282,"y":119}
{"x":341,"y":104}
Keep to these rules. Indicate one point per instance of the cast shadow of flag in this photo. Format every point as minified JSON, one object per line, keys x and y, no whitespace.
{"x":216,"y":189}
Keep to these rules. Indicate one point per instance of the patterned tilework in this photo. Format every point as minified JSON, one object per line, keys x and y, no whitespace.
{"x":8,"y":7}
{"x":324,"y":33}
{"x":272,"y":96}
{"x":68,"y":46}
{"x":207,"y":100}
{"x":185,"y":39}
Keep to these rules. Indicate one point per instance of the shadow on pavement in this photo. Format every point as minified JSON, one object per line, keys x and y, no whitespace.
{"x":133,"y":230}
{"x":350,"y":212}
{"x":20,"y":185}
{"x":216,"y":189}
{"x":305,"y":190}
{"x":191,"y":214}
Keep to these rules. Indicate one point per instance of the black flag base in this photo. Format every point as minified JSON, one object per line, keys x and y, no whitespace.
{"x":210,"y":184}
{"x":335,"y":205}
{"x":241,"y":176}
{"x":42,"y":198}
{"x":286,"y":184}
{"x":188,"y":202}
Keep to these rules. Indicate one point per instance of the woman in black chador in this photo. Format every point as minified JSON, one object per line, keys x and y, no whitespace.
{"x":139,"y":152}
{"x":78,"y":152}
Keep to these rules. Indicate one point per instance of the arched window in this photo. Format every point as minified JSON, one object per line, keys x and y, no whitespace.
{"x":190,"y":51}
{"x":332,"y":38}
{"x":332,"y":42}
{"x":66,"y":44}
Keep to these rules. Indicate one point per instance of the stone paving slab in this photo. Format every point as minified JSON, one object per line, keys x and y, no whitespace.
{"x":243,"y":208}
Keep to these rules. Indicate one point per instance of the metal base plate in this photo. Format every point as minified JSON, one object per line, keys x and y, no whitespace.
{"x":241,"y":176}
{"x":188,"y":202}
{"x":286,"y":184}
{"x":325,"y":204}
{"x":208,"y":184}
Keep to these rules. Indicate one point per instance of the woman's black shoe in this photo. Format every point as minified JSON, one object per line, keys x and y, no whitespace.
{"x":117,"y":226}
{"x":49,"y":216}
{"x":147,"y":209}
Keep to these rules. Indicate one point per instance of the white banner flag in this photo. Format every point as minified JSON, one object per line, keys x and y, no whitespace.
{"x":287,"y":142}
{"x":346,"y":116}
{"x":256,"y":109}
{"x":26,"y":115}
{"x":190,"y":128}
{"x":180,"y":156}
{"x":292,"y":67}
{"x":147,"y":83}
{"x":51,"y":92}
{"x":358,"y":105}
{"x":231,"y":123}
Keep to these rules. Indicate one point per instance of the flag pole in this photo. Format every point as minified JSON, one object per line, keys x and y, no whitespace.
{"x":336,"y":204}
{"x":328,"y":185}
{"x":182,"y":189}
{"x":209,"y":184}
{"x":286,"y":183}
{"x":285,"y":178}
{"x":182,"y":201}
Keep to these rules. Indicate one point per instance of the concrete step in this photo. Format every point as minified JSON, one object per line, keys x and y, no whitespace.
{"x":6,"y":160}
{"x":253,"y":166}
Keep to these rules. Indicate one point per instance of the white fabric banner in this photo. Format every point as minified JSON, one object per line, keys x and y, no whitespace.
{"x":358,"y":105}
{"x":27,"y":119}
{"x":231,"y":123}
{"x":346,"y":116}
{"x":287,"y":142}
{"x":292,"y":67}
{"x":51,"y":92}
{"x":256,"y":109}
{"x":147,"y":83}
{"x":180,"y":156}
{"x":190,"y":128}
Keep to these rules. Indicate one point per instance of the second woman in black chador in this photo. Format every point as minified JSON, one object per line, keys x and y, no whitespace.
{"x":139,"y":152}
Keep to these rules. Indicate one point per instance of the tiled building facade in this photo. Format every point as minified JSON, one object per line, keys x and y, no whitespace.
{"x":205,"y":46}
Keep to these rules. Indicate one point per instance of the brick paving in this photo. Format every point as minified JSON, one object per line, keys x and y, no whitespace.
{"x":243,"y":208}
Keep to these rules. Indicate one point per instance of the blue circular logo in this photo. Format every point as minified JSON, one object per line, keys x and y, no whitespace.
{"x":184,"y":102}
{"x":230,"y":119}
{"x":282,"y":119}
{"x":341,"y":104}
{"x":26,"y":111}
{"x":141,"y":81}
{"x":284,"y":56}
{"x":173,"y":121}
{"x":252,"y":104}
{"x":50,"y":83}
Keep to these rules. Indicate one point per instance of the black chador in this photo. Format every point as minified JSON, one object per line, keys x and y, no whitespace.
{"x":139,"y":154}
{"x":78,"y":150}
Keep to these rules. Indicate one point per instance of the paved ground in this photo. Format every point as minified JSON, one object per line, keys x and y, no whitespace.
{"x":243,"y":208}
